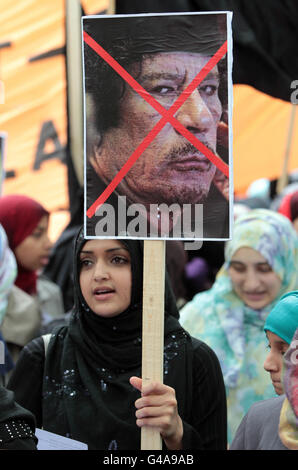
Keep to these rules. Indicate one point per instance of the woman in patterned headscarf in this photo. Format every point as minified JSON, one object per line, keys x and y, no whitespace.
{"x":8,"y":273}
{"x":288,"y":421}
{"x":280,"y":327}
{"x":260,"y":266}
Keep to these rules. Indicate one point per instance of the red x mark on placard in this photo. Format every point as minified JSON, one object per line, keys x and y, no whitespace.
{"x":167,"y":116}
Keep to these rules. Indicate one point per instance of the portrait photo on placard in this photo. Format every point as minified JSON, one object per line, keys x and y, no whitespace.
{"x":157,"y":120}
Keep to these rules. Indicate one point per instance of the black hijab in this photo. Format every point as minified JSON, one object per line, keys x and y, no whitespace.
{"x":116,"y":342}
{"x":87,"y":394}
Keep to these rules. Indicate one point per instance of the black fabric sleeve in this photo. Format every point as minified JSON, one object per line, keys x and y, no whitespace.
{"x":208,"y":430}
{"x":17,"y":425}
{"x":27,"y":378}
{"x":16,"y":434}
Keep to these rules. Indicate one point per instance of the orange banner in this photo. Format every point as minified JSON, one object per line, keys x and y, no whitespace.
{"x":33,"y":112}
{"x":260,"y":134}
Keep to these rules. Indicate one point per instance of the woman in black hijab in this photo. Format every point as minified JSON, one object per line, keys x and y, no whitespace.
{"x":88,"y":387}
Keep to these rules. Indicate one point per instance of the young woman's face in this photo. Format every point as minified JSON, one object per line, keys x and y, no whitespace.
{"x":105,"y":276}
{"x":253,"y":279}
{"x":34,"y":251}
{"x":274,"y":361}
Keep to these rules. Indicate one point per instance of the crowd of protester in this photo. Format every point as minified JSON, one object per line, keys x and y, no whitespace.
{"x":225,"y":305}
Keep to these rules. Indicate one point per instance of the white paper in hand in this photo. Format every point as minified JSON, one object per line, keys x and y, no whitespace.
{"x":50,"y":441}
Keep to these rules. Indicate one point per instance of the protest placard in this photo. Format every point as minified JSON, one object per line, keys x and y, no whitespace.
{"x":157,"y":144}
{"x":158,"y":126}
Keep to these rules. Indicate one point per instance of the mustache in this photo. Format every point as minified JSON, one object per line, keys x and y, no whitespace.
{"x":187,"y":149}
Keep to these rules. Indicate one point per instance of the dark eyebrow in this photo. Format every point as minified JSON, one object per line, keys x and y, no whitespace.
{"x":256,"y":264}
{"x":281,"y":342}
{"x":212,"y":75}
{"x":107,"y":251}
{"x":117,"y":249}
{"x":175,"y":76}
{"x":162,"y":75}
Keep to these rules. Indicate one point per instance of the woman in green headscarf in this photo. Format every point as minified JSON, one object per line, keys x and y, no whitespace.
{"x":288,"y":420}
{"x":272,"y":424}
{"x":260,"y":266}
{"x":280,"y":327}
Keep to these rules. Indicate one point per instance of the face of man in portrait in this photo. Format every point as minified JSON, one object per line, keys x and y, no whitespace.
{"x":171,"y":169}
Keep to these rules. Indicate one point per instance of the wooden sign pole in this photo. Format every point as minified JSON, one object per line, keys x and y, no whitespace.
{"x":283,"y":180}
{"x":75,"y":85}
{"x":153,"y":327}
{"x":153,"y":318}
{"x":111,"y":8}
